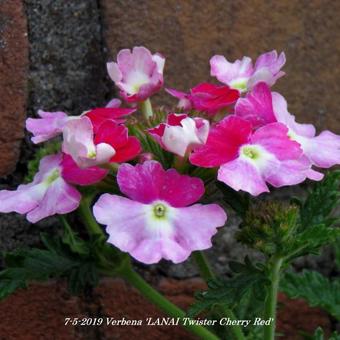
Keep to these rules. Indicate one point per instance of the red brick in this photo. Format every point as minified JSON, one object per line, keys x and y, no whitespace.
{"x":189,"y":32}
{"x":13,"y":81}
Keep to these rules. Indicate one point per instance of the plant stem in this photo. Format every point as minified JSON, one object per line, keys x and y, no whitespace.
{"x":92,"y":226}
{"x":207,"y":274}
{"x":203,"y":266}
{"x":160,"y":301}
{"x":271,"y":302}
{"x":146,"y":109}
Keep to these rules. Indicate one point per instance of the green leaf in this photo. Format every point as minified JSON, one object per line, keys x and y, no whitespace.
{"x":316,"y":289}
{"x":319,"y":335}
{"x":247,"y":279}
{"x":310,"y":240}
{"x":70,"y":238}
{"x":320,"y":202}
{"x":58,"y":260}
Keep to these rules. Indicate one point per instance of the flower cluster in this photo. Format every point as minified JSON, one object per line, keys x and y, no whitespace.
{"x":239,"y":127}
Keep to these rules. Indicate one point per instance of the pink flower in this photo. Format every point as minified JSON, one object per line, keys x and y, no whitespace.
{"x":262,"y":107}
{"x":181,"y":133}
{"x":47,"y":195}
{"x":138,"y":74}
{"x":50,"y":192}
{"x":242,"y":75}
{"x":156,"y":221}
{"x":90,"y":144}
{"x":47,"y":127}
{"x":206,"y":97}
{"x":248,"y":160}
{"x":51,"y":124}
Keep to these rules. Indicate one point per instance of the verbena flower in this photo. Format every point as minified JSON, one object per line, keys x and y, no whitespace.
{"x":261,"y":107}
{"x":158,"y":220}
{"x":242,"y":75}
{"x":94,"y":144}
{"x":137,"y":73}
{"x":205,"y":97}
{"x":181,"y":133}
{"x":248,"y":160}
{"x":51,"y":124}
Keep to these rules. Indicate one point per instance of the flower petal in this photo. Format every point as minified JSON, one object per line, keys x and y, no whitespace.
{"x":75,"y":175}
{"x":48,"y":126}
{"x":257,"y":106}
{"x":274,"y":138}
{"x":148,"y":182}
{"x":223,"y":142}
{"x":60,"y":198}
{"x":242,"y":175}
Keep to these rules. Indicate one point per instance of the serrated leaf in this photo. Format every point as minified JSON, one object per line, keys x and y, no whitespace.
{"x":311,"y":240}
{"x":321,"y":201}
{"x":71,"y":239}
{"x":248,"y":278}
{"x":316,"y":289}
{"x":23,"y":266}
{"x":320,"y":335}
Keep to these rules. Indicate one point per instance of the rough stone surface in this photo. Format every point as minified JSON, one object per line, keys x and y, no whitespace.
{"x":67,"y":72}
{"x":13,"y":81}
{"x":188,"y":33}
{"x":39,"y":312}
{"x":67,"y":67}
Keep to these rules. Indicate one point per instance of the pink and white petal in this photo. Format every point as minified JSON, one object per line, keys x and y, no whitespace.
{"x":227,"y":72}
{"x":315,"y":175}
{"x":257,"y":106}
{"x":197,"y":224}
{"x":78,"y":138}
{"x":125,"y":220}
{"x":180,"y":190}
{"x":104,"y":153}
{"x":48,"y":126}
{"x":274,"y":138}
{"x":283,"y":116}
{"x":143,"y":60}
{"x":160,"y":62}
{"x":242,"y":175}
{"x":290,"y":172}
{"x":261,"y":75}
{"x":271,"y":61}
{"x":114,"y":103}
{"x":178,"y":139}
{"x":114,"y":72}
{"x":60,"y":198}
{"x":75,"y":175}
{"x":323,"y":150}
{"x":22,"y":200}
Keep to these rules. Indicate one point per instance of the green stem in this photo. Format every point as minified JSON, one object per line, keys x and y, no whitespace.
{"x":85,"y":212}
{"x":160,"y":301}
{"x":207,"y":274}
{"x":271,"y":302}
{"x":203,"y":266}
{"x":146,"y":109}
